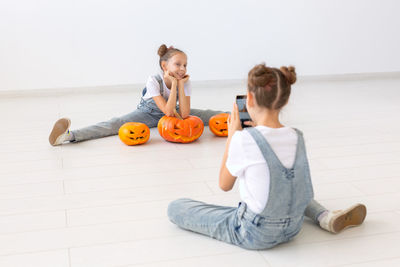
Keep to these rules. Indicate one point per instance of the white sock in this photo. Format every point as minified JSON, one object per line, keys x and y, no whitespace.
{"x":322,"y":215}
{"x":69,"y":136}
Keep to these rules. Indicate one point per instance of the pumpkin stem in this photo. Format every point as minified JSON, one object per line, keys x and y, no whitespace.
{"x":177,"y":115}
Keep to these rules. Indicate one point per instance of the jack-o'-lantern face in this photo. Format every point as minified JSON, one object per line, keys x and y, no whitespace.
{"x":180,"y":131}
{"x":134,"y":133}
{"x":218,"y":124}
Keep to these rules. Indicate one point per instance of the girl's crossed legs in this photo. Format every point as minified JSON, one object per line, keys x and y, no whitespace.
{"x":221,"y":222}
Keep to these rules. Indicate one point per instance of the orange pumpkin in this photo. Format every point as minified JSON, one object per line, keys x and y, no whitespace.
{"x":134,"y":133}
{"x":218,"y":124}
{"x":180,"y":131}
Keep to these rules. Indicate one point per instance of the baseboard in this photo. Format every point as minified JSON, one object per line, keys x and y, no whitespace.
{"x":72,"y":90}
{"x":208,"y":83}
{"x":351,"y":76}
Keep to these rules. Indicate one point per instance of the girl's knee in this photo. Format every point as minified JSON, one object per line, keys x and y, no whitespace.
{"x":115,"y":123}
{"x":175,"y":208}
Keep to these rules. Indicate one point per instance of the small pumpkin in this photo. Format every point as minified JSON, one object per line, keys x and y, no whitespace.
{"x":134,"y":133}
{"x":178,"y":130}
{"x":218,"y":124}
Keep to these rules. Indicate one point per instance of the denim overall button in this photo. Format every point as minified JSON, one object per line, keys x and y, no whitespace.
{"x":289,"y":173}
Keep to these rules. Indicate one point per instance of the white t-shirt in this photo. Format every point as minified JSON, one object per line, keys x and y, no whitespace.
{"x":246,"y":161}
{"x":153,"y":88}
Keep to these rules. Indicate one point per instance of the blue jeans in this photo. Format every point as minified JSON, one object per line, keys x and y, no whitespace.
{"x":144,"y":114}
{"x":239,"y":226}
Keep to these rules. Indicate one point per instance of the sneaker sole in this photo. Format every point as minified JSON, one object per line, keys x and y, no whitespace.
{"x":353,"y":216}
{"x":60,"y":127}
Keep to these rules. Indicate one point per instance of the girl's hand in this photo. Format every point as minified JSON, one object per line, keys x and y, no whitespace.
{"x":169,"y":76}
{"x":250,"y":123}
{"x":234,"y":121}
{"x":184,"y":79}
{"x":181,"y":82}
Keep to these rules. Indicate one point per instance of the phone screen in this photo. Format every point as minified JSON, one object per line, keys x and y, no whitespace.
{"x":243,"y":114}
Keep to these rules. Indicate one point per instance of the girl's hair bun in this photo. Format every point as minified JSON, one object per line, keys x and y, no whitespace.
{"x":162,"y":50}
{"x":271,"y":86}
{"x":289,"y":73}
{"x":261,"y":76}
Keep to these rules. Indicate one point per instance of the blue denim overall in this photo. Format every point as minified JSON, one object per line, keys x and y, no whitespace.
{"x":290,"y":194}
{"x":147,"y":112}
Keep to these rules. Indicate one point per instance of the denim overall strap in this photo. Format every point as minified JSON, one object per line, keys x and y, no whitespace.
{"x":160,"y":82}
{"x":149,"y":105}
{"x":266,"y":150}
{"x":290,"y":188}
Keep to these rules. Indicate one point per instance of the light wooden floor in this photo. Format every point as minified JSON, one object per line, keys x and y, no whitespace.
{"x":101,"y":203}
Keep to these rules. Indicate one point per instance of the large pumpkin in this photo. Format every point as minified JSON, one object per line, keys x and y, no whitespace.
{"x":218,"y":124}
{"x":134,"y":133}
{"x":180,"y":130}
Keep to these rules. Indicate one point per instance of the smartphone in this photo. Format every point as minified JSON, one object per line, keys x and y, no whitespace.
{"x":243,"y":114}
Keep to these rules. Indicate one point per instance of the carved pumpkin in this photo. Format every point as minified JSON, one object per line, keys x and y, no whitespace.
{"x":134,"y":133}
{"x":218,"y":124}
{"x":180,"y":131}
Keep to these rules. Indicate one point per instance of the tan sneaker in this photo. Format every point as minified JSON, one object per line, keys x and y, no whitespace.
{"x":336,"y":221}
{"x":60,"y":132}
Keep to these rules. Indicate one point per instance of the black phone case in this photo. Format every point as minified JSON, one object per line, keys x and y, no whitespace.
{"x":241,"y":98}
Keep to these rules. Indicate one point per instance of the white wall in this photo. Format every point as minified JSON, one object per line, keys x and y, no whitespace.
{"x":75,"y":43}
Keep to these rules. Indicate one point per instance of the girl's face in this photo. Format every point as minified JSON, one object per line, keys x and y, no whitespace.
{"x":176,"y":65}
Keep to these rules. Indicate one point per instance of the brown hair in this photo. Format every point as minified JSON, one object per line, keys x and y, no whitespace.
{"x":166,"y":53}
{"x":271,"y":86}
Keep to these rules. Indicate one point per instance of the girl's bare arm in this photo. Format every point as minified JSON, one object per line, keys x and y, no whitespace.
{"x":168,"y":107}
{"x":184,"y":101}
{"x":226,"y":179}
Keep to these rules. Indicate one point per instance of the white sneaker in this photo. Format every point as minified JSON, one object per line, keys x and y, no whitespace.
{"x":60,"y":132}
{"x":336,"y":221}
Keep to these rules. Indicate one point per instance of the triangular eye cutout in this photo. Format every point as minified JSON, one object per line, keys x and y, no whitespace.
{"x":216,"y":122}
{"x":134,"y":133}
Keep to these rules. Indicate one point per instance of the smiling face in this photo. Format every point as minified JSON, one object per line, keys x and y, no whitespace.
{"x":176,"y":65}
{"x":218,"y":124}
{"x":134,"y":133}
